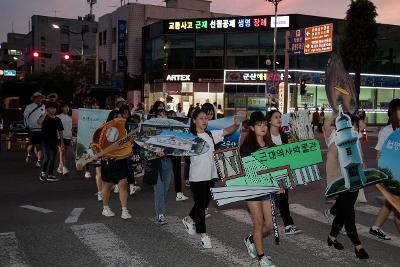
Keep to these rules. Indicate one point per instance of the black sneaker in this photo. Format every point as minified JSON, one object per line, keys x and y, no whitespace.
{"x":52,"y":178}
{"x":43,"y":177}
{"x":379,"y":233}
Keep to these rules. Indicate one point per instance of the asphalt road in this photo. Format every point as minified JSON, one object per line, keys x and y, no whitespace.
{"x":48,"y":235}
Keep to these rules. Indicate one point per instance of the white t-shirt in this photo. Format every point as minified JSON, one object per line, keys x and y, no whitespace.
{"x":202,"y":167}
{"x":31,"y":117}
{"x":277,"y":139}
{"x":383,"y":135}
{"x":67,"y":124}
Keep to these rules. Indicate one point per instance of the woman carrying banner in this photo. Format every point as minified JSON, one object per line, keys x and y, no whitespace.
{"x":383,"y":215}
{"x":201,"y":174}
{"x":343,"y":209}
{"x":114,"y":171}
{"x":260,"y":208}
{"x":274,"y":123}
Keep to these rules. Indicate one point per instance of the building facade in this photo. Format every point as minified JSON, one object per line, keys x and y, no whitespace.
{"x":208,"y":60}
{"x":136,"y":16}
{"x":53,"y":38}
{"x":11,"y":53}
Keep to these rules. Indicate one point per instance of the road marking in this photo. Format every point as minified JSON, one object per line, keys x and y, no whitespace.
{"x":222,"y":252}
{"x":312,"y":246}
{"x":10,"y":252}
{"x":108,"y":247}
{"x":361,"y":229}
{"x":369,"y":209}
{"x":39,"y":209}
{"x":74,"y":216}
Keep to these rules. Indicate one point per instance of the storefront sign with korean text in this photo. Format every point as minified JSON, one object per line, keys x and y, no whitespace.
{"x":253,"y":23}
{"x":121,"y":45}
{"x":253,"y":77}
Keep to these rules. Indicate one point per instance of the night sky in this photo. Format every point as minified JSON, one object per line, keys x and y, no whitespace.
{"x":16,"y":13}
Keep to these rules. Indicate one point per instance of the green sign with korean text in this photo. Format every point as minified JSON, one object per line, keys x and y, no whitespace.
{"x":295,"y":155}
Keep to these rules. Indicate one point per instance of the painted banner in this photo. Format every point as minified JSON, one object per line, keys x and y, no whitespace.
{"x":389,"y":161}
{"x":89,"y":120}
{"x":231,"y":140}
{"x":273,"y":168}
{"x":353,"y":176}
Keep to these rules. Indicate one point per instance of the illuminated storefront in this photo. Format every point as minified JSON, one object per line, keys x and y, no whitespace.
{"x":188,"y":59}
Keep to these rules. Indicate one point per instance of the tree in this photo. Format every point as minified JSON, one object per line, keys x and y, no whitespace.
{"x":358,"y":46}
{"x":64,"y":78}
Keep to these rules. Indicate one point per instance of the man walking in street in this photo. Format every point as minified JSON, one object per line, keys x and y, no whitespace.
{"x":52,"y":127}
{"x":31,"y":115}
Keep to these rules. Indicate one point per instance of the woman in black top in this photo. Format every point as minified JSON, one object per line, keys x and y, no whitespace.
{"x":260,"y":208}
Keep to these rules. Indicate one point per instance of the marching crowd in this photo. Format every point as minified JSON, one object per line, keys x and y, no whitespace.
{"x":50,"y":133}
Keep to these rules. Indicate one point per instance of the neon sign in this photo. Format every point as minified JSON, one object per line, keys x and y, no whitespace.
{"x":216,"y":24}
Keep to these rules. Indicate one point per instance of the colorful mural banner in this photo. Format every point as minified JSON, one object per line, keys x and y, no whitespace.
{"x":89,"y":120}
{"x":220,"y":124}
{"x":389,"y":161}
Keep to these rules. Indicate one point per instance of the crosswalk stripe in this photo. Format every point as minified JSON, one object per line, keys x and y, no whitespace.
{"x":74,"y":216}
{"x":219,"y":250}
{"x":10,"y":252}
{"x":361,"y":229}
{"x":39,"y":209}
{"x":369,"y":209}
{"x":107,"y":246}
{"x":313,"y":246}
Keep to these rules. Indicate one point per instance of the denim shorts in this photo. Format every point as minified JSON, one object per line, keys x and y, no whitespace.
{"x":263,"y":198}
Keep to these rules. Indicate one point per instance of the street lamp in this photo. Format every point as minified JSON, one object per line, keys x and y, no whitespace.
{"x":55,"y":26}
{"x":276,"y":3}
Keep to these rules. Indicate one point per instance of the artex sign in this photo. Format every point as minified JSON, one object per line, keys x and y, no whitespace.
{"x":178,"y":78}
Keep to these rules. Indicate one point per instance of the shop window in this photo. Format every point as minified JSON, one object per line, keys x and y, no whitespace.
{"x":64,"y":48}
{"x":383,"y":98}
{"x":209,"y":62}
{"x":367,"y":98}
{"x":114,"y":35}
{"x":104,"y":37}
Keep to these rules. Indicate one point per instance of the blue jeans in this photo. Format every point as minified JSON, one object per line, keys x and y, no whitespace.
{"x":162,"y":186}
{"x":49,"y":157}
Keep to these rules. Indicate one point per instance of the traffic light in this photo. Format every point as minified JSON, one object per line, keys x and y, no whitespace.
{"x":303,"y":87}
{"x":37,"y":54}
{"x":68,"y":57}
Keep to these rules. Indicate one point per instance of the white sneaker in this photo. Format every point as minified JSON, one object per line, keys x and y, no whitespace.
{"x":162,"y":220}
{"x":99,"y":196}
{"x":59,"y":170}
{"x":206,"y":241}
{"x":108,"y":212}
{"x":181,"y":197}
{"x":292,"y":230}
{"x":266,"y":261}
{"x":28,"y":159}
{"x":133,"y":189}
{"x":125,"y":214}
{"x":116,"y":189}
{"x":88,"y":175}
{"x":190,"y":227}
{"x":65,"y":171}
{"x":208,"y":215}
{"x":251,"y":249}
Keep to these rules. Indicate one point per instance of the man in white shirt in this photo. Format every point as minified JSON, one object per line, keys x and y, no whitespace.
{"x":31,"y":115}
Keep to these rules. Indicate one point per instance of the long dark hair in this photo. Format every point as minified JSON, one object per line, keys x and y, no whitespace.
{"x":269,"y":118}
{"x":251,"y":140}
{"x":394,"y":105}
{"x":156,"y":106}
{"x":195,"y":114}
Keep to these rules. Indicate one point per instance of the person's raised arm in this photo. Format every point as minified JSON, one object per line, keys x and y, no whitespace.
{"x":41,"y":118}
{"x":233,"y":127}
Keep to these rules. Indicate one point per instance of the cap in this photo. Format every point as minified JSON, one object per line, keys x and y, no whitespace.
{"x":119,"y":100}
{"x":37,"y":94}
{"x":256,"y":116}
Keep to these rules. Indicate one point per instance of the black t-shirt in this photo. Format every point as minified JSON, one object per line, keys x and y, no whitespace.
{"x":50,"y":129}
